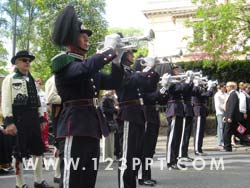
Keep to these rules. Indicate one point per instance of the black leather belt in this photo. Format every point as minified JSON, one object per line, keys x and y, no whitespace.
{"x":198,"y":104}
{"x":175,"y":101}
{"x":81,"y":102}
{"x":129,"y":103}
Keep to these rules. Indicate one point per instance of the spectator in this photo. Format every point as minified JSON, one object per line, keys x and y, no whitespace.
{"x":109,"y":110}
{"x":219,"y":100}
{"x":5,"y":150}
{"x":45,"y":132}
{"x":247,"y":91}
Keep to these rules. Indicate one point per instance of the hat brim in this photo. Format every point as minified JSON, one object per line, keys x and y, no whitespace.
{"x":87,"y":31}
{"x":13,"y":59}
{"x":132,"y":51}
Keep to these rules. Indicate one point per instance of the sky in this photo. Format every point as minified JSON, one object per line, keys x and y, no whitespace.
{"x":126,"y":13}
{"x":119,"y":14}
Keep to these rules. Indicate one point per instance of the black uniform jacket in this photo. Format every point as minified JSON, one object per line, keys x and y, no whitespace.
{"x":152,"y":102}
{"x":81,"y":80}
{"x":131,"y":91}
{"x":199,"y":100}
{"x":187,"y":96}
{"x":175,"y":104}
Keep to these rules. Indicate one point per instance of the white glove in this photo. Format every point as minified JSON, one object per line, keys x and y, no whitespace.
{"x":190,"y":75}
{"x":165,"y":79}
{"x":196,"y":82}
{"x":150,"y":61}
{"x":188,"y":80}
{"x":112,"y":41}
{"x":209,"y":84}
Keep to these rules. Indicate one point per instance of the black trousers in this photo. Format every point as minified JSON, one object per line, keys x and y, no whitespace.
{"x":149,"y":144}
{"x":230,"y":129}
{"x":118,"y":140}
{"x":132,"y":148}
{"x":174,"y":139}
{"x":84,"y":153}
{"x":199,"y":128}
{"x":227,"y":134}
{"x":247,"y":125}
{"x":186,"y":133}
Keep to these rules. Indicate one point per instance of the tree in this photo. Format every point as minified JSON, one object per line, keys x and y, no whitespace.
{"x":89,"y":11}
{"x":3,"y":59}
{"x":3,"y":51}
{"x":217,"y":29}
{"x":35,"y":24}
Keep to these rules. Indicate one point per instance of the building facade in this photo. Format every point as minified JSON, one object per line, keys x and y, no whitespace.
{"x":167,"y":18}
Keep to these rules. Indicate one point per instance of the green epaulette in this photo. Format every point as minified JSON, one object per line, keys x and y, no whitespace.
{"x":60,"y":61}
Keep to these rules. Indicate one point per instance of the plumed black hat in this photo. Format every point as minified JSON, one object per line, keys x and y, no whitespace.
{"x":22,"y":53}
{"x":68,"y":27}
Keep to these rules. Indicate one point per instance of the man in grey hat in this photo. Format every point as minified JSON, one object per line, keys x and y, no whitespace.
{"x":23,"y":118}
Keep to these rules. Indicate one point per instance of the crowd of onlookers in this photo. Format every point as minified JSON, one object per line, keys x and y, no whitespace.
{"x":232,"y":105}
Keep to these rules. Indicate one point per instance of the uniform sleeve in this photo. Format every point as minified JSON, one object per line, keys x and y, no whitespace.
{"x":113,"y":80}
{"x":176,"y":88}
{"x":196,"y":91}
{"x":85,"y":69}
{"x":7,"y":101}
{"x":208,"y":93}
{"x":145,"y":80}
{"x":52,"y":96}
{"x":155,"y":96}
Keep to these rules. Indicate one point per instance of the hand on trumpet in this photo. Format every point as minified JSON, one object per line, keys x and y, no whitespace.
{"x":114,"y":41}
{"x":211,"y":84}
{"x":149,"y":63}
{"x":196,"y":82}
{"x":190,"y":76}
{"x":165,"y":79}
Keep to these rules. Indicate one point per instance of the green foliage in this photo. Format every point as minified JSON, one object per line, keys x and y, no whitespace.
{"x":129,"y":32}
{"x":221,"y":31}
{"x":35,"y":25}
{"x":3,"y":51}
{"x":223,"y":71}
{"x":90,"y":11}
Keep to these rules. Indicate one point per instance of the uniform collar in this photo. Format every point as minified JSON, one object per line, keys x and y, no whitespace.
{"x":77,"y":56}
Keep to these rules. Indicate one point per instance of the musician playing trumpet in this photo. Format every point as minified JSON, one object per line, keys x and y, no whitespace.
{"x":174,"y":114}
{"x":202,"y":91}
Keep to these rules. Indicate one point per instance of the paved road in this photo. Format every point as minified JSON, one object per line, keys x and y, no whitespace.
{"x":236,"y":173}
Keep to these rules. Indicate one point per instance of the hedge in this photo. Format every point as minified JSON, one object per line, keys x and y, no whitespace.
{"x":223,"y":71}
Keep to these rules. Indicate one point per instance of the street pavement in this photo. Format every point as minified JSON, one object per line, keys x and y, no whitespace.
{"x":232,"y":170}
